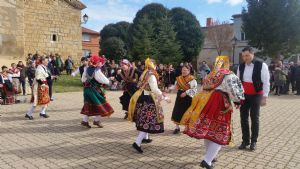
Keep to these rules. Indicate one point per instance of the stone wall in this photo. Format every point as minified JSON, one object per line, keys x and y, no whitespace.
{"x":44,"y":19}
{"x":27,"y":26}
{"x":11,"y":29}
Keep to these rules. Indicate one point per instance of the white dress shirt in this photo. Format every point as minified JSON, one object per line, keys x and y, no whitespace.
{"x":265,"y":76}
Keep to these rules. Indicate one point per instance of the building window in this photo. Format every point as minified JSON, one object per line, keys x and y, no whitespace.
{"x":85,"y":52}
{"x":86,"y":37}
{"x":243,"y":36}
{"x":54,"y":38}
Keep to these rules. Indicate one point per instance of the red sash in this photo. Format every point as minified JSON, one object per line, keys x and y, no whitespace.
{"x":249,"y":89}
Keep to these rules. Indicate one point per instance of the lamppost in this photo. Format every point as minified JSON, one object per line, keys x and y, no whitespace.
{"x":85,"y":18}
{"x":234,"y":43}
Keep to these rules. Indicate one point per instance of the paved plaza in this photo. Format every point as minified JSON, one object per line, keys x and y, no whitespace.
{"x":60,"y":141}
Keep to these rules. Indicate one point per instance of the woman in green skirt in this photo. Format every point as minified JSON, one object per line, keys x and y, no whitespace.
{"x":95,"y":103}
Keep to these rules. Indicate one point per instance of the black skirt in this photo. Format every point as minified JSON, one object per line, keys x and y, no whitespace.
{"x":129,"y":90}
{"x":180,"y":107}
{"x":146,"y":115}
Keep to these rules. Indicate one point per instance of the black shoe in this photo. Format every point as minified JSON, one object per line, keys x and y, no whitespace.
{"x":29,"y":117}
{"x":243,"y":146}
{"x":204,"y":164}
{"x":214,"y":160}
{"x":137,"y":148}
{"x":146,"y":141}
{"x":44,"y":115}
{"x":176,"y":131}
{"x":126,"y":116}
{"x":86,"y":124}
{"x":253,"y":146}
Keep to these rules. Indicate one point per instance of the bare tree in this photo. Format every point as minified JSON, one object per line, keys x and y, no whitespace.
{"x":220,"y":35}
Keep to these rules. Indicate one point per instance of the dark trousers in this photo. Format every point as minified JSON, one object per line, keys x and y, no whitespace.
{"x":23,"y":83}
{"x":298,"y":87}
{"x":279,"y":90}
{"x":293,"y":84}
{"x":69,"y":71}
{"x":252,"y":106}
{"x":50,"y":87}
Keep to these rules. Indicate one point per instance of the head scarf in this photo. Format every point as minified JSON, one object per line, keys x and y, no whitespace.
{"x":221,"y":63}
{"x":215,"y":78}
{"x":96,"y":60}
{"x":149,"y":64}
{"x":126,"y":62}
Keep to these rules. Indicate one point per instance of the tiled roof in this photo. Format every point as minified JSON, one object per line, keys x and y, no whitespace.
{"x":89,"y":31}
{"x":76,"y":4}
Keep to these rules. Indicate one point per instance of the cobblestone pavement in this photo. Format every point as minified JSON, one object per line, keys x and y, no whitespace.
{"x":60,"y":141}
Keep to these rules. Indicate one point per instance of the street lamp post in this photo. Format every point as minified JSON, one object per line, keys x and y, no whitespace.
{"x":85,"y":18}
{"x":234,"y":43}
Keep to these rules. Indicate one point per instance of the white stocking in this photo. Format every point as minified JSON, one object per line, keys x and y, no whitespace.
{"x":97,"y":119}
{"x":44,"y":110}
{"x":30,"y":111}
{"x":140,"y":138}
{"x":206,"y":142}
{"x":85,"y":118}
{"x":212,"y":151}
{"x":147,"y":136}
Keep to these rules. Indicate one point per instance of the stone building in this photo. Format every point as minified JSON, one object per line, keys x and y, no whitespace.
{"x":27,"y":26}
{"x":209,"y":50}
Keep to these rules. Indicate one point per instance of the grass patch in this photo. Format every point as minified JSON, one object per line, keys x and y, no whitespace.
{"x":67,"y":83}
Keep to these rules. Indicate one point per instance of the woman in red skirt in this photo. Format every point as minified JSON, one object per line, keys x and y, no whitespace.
{"x":40,"y":95}
{"x":213,"y":124}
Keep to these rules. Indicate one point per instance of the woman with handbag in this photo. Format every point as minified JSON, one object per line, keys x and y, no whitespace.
{"x":95,"y":103}
{"x":144,"y":107}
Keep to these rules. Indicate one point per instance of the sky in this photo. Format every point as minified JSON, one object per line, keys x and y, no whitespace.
{"x":103,"y":12}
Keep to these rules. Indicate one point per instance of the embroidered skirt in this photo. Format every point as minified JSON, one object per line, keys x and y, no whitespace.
{"x":95,"y":103}
{"x":180,"y":107}
{"x":214,"y":122}
{"x":42,"y":96}
{"x":148,"y":116}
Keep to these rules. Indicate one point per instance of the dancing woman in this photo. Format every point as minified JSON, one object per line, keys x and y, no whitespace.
{"x":209,"y":116}
{"x":187,"y":88}
{"x":40,"y":96}
{"x":95,"y":103}
{"x":128,"y":77}
{"x":144,"y":108}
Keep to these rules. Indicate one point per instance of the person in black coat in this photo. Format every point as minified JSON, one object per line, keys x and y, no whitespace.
{"x":297,"y":78}
{"x":52,"y":73}
{"x":169,"y":77}
{"x":291,"y":76}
